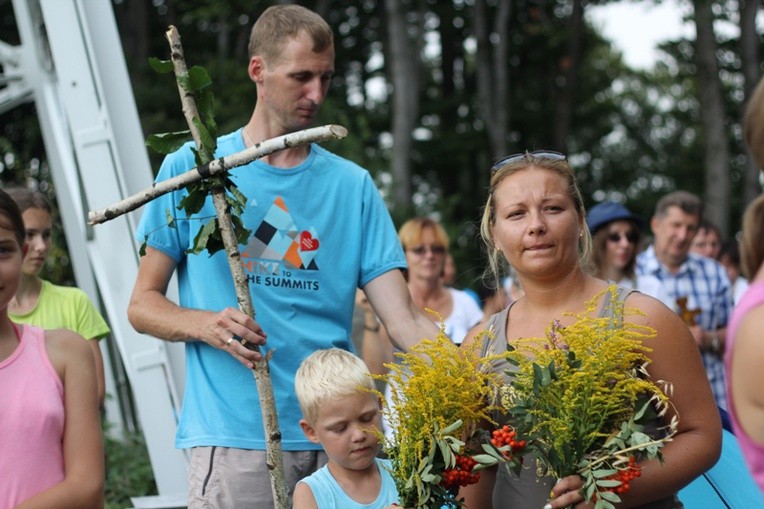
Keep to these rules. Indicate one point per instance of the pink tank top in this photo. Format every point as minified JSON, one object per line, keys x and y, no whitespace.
{"x":31,"y":420}
{"x":753,"y":452}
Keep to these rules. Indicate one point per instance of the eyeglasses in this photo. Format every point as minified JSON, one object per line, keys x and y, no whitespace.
{"x":420,"y":250}
{"x":615,"y":238}
{"x":540,"y":154}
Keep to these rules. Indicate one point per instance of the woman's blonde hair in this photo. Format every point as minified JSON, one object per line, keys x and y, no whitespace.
{"x":410,"y":233}
{"x":497,"y":264}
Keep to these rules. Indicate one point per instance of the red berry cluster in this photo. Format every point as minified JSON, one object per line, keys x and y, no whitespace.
{"x":506,"y":436}
{"x":461,"y":474}
{"x":626,"y":475}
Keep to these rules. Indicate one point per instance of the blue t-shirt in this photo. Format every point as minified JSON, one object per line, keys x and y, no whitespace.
{"x":319,"y":231}
{"x":329,"y":494}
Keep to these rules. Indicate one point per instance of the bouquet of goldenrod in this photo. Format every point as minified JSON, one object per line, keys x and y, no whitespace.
{"x":439,"y":395}
{"x":581,"y":397}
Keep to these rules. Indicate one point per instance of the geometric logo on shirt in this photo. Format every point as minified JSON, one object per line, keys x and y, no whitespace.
{"x":278,"y":238}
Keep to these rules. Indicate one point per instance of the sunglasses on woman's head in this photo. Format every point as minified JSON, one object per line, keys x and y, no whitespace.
{"x":540,"y":154}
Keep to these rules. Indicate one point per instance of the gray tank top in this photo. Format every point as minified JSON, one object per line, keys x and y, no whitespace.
{"x":529,"y":490}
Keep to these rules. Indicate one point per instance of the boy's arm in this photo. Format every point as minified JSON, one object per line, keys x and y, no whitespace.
{"x":303,"y":497}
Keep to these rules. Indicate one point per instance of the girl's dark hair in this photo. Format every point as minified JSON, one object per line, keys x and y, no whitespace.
{"x":10,"y":217}
{"x":28,"y":199}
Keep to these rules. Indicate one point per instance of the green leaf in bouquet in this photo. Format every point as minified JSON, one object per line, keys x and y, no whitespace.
{"x":449,"y":459}
{"x":604,"y":472}
{"x":552,"y":370}
{"x":603,"y":504}
{"x":639,"y":438}
{"x":590,"y":489}
{"x":608,"y":483}
{"x":452,"y":427}
{"x":609,"y":496}
{"x":538,"y":378}
{"x":487,"y":460}
{"x":573,"y":362}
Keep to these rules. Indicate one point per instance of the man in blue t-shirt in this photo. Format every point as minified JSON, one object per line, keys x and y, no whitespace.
{"x":320,"y":230}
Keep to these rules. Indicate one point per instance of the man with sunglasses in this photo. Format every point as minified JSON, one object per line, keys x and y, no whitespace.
{"x":695,"y":286}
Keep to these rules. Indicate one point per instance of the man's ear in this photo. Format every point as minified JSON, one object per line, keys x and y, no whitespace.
{"x":309,"y":431}
{"x":654,"y":223}
{"x":256,"y":68}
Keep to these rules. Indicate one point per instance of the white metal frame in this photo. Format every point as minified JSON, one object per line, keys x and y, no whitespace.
{"x":70,"y":63}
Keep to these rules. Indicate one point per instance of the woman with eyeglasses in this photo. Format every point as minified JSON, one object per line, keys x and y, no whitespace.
{"x":534,"y":221}
{"x":425,"y":243}
{"x":616,"y":235}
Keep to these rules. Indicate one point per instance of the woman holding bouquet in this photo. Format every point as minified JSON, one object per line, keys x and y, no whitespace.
{"x":534,"y":219}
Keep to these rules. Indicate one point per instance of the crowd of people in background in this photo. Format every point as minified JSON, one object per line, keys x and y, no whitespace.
{"x":322,"y":220}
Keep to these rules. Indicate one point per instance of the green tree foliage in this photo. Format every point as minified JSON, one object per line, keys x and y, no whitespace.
{"x":634,"y":134}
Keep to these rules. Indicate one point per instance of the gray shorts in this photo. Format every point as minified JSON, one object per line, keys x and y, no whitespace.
{"x":221,"y":477}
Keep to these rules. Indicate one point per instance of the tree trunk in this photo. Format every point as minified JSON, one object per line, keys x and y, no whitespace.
{"x":403,"y":68}
{"x":749,"y":56}
{"x":716,"y":147}
{"x":492,"y":76}
{"x":568,"y":67}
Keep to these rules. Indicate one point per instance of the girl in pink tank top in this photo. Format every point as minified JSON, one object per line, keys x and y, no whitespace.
{"x":744,"y":355}
{"x":50,"y":433}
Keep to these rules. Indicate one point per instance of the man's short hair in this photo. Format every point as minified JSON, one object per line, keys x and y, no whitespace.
{"x":686,"y":201}
{"x":279,"y":23}
{"x":329,"y":374}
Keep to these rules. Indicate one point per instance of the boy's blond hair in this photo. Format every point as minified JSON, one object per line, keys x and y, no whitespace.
{"x":329,"y":374}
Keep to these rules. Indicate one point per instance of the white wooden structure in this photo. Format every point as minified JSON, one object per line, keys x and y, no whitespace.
{"x":70,"y":63}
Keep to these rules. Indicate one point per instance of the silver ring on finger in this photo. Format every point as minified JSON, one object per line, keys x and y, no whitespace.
{"x":230,"y":340}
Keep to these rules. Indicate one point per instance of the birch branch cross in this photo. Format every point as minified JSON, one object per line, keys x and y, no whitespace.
{"x":216,"y":167}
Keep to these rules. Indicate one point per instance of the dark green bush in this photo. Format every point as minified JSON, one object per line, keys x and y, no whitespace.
{"x":128,"y":470}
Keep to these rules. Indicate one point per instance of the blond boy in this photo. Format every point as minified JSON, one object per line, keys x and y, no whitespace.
{"x":342,"y":414}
